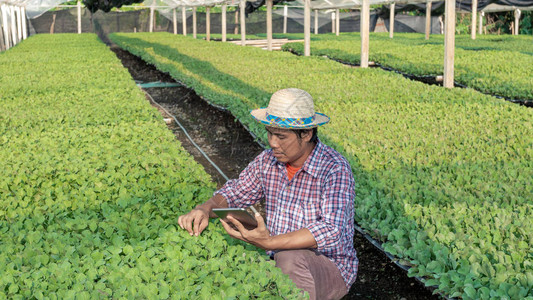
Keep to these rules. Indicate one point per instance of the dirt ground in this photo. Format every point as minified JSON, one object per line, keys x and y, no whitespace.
{"x":232,"y":147}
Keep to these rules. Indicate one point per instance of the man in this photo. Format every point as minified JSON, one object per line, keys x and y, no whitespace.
{"x":309,"y":200}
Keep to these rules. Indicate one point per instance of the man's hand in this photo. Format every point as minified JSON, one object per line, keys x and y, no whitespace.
{"x":259,"y":236}
{"x":195,"y":221}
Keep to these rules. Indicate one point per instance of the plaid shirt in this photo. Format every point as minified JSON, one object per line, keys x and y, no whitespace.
{"x":320,"y":197}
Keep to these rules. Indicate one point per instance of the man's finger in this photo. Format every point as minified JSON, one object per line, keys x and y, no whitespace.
{"x":260,"y":221}
{"x":187,"y":223}
{"x":230,"y":230}
{"x":196,"y":223}
{"x":237,"y":224}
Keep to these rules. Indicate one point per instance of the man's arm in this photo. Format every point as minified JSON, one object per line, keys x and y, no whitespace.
{"x":260,"y":236}
{"x":197,"y":219}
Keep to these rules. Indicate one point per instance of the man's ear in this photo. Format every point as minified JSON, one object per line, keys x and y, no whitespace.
{"x":307,"y":135}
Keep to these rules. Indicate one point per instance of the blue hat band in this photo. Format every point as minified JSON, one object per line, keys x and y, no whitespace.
{"x":288,"y":122}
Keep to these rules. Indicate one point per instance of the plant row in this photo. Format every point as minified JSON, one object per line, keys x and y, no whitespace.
{"x":443,"y":176}
{"x":495,"y":70}
{"x":93,"y":183}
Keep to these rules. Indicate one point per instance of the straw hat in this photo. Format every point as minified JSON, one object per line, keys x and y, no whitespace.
{"x":290,"y":108}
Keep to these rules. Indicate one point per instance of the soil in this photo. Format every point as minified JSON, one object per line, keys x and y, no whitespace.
{"x":232,"y":147}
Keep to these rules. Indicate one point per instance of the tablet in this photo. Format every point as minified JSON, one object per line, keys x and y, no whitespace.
{"x":240,"y":214}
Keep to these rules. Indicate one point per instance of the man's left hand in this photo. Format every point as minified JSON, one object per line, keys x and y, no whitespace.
{"x":259,"y":236}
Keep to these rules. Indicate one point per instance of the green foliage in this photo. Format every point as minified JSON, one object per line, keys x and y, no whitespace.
{"x":443,"y":176}
{"x":498,"y":65}
{"x":93,"y":182}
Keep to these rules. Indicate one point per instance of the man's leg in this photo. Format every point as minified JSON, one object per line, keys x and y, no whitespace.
{"x":312,"y":272}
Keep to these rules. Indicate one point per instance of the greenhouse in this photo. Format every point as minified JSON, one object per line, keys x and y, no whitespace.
{"x":382,"y":149}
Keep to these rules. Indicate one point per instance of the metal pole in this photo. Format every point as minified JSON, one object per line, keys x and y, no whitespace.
{"x":517,"y":14}
{"x":332,"y":22}
{"x":24,"y":28}
{"x":449,"y":44}
{"x":19,"y":23}
{"x":481,"y":15}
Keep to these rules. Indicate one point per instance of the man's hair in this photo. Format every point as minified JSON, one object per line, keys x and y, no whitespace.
{"x":299,"y":132}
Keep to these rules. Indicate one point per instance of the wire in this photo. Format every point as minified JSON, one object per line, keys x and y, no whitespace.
{"x":189,"y":137}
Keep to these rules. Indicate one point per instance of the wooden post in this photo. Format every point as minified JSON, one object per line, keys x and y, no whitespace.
{"x":481,"y":15}
{"x":365,"y":32}
{"x":79,"y":16}
{"x":269,"y":24}
{"x":236,"y":28}
{"x":174,"y":21}
{"x":517,"y":14}
{"x":285,"y":14}
{"x":194,"y":22}
{"x":2,"y":43}
{"x":316,"y":21}
{"x":337,"y":21}
{"x":14,"y":24}
{"x":332,"y":22}
{"x":449,"y":43}
{"x":391,"y":19}
{"x":152,"y":8}
{"x":19,"y":23}
{"x":208,"y":23}
{"x":243,"y":22}
{"x":474,"y":20}
{"x":428,"y":19}
{"x":4,"y":9}
{"x":24,"y":25}
{"x":184,"y":20}
{"x":307,"y":27}
{"x":224,"y":21}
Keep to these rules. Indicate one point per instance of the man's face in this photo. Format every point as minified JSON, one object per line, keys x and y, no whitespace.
{"x":286,"y":146}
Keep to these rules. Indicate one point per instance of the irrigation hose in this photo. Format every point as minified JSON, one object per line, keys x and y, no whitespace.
{"x":188,"y":136}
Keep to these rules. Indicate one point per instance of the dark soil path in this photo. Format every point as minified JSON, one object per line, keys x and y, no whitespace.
{"x":232,"y":147}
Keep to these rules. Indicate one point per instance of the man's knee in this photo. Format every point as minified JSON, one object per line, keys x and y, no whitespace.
{"x":292,"y":261}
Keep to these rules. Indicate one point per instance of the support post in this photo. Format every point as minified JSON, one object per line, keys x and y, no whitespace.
{"x":285,"y":14}
{"x":307,"y":27}
{"x":13,"y":24}
{"x":449,"y":43}
{"x":19,"y":23}
{"x":194,"y":22}
{"x":208,"y":23}
{"x":79,"y":16}
{"x":428,"y":19}
{"x":481,"y":15}
{"x":391,"y":19}
{"x":5,"y":26}
{"x":316,"y":21}
{"x":365,"y":32}
{"x":224,"y":21}
{"x":474,"y":20}
{"x":517,"y":14}
{"x":24,"y":28}
{"x":243,"y":22}
{"x":269,"y":24}
{"x":152,"y":8}
{"x":337,"y":22}
{"x":174,"y":21}
{"x":184,"y":20}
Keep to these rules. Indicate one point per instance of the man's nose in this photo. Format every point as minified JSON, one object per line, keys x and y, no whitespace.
{"x":273,"y":142}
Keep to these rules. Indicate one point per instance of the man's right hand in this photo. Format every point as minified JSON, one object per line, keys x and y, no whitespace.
{"x":195,"y":221}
